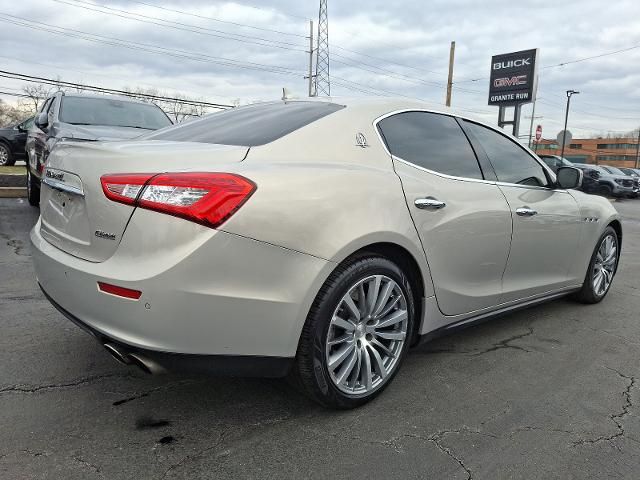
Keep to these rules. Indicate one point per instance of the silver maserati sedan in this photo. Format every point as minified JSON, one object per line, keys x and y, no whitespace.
{"x":312,"y":239}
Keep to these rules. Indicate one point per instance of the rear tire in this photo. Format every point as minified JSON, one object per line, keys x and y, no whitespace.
{"x":357,"y":333}
{"x":6,"y":158}
{"x":33,"y":191}
{"x":602,"y":268}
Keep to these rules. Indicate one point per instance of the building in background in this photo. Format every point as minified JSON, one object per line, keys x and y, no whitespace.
{"x":618,"y":152}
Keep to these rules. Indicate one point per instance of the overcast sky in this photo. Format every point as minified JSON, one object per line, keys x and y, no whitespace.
{"x":225,"y":51}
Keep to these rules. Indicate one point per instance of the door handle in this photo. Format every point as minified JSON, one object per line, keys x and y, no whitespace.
{"x":429,"y":203}
{"x":526,"y":212}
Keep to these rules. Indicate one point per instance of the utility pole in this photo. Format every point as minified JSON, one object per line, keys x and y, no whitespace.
{"x":566,"y":117}
{"x":312,"y":92}
{"x":452,"y":52}
{"x":533,"y":117}
{"x":638,"y":150}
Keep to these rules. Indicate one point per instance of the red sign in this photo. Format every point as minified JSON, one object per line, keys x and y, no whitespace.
{"x":538,"y":133}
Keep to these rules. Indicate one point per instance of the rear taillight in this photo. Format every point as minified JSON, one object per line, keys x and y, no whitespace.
{"x":205,"y":198}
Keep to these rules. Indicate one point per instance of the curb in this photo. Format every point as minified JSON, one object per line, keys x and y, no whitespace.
{"x":13,"y":192}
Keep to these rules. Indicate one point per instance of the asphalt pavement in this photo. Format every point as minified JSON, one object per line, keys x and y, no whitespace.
{"x":548,"y":392}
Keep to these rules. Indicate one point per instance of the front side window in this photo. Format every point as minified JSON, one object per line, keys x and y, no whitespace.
{"x":112,"y":112}
{"x":510,"y":161}
{"x":432,"y":141}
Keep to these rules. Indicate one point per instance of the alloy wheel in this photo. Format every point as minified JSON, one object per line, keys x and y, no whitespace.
{"x":366,"y":335}
{"x":605,"y":265}
{"x":4,"y":155}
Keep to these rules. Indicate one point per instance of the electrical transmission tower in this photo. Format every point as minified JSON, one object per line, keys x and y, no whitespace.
{"x":323,"y":87}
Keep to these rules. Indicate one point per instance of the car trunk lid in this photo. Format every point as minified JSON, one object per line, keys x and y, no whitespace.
{"x":76,"y":215}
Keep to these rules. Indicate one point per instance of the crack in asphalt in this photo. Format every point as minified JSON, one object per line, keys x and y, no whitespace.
{"x":506,"y":343}
{"x":55,"y":386}
{"x":90,"y":465}
{"x":436,"y":440}
{"x":198,"y":454}
{"x":616,"y":418}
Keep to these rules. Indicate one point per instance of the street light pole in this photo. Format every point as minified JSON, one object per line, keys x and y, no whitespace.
{"x":566,"y":117}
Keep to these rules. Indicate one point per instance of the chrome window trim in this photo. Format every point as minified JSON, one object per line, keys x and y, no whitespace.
{"x":62,"y":186}
{"x":453,"y":177}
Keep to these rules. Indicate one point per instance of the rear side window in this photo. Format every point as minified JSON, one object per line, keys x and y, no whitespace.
{"x":510,"y":161}
{"x":432,"y":141}
{"x":248,"y":126}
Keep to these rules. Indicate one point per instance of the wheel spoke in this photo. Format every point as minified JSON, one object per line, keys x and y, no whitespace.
{"x":342,"y":323}
{"x":377,"y":363}
{"x":383,"y":299}
{"x":372,"y":293}
{"x":339,"y":340}
{"x":348,"y":301}
{"x":338,"y":357}
{"x":362,"y":298}
{"x":396,"y":317}
{"x":382,"y":346}
{"x":347,"y":367}
{"x":389,"y":307}
{"x":391,"y":335}
{"x":366,"y":361}
{"x":355,"y":377}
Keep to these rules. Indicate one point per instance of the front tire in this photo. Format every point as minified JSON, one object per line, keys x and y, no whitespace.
{"x":33,"y":191}
{"x":356,"y":334}
{"x":605,"y":191}
{"x":602,"y":268}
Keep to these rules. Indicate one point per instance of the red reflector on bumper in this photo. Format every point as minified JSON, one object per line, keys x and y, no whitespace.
{"x":119,"y":291}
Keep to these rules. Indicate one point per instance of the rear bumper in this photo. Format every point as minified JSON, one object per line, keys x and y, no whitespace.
{"x":229,"y":365}
{"x":214,"y":294}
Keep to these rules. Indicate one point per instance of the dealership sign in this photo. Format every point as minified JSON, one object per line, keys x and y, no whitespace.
{"x":513,"y":78}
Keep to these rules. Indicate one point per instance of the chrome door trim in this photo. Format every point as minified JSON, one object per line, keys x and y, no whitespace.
{"x":62,"y":187}
{"x":453,"y":177}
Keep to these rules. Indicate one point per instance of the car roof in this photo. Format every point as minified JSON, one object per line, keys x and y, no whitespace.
{"x":122,"y":98}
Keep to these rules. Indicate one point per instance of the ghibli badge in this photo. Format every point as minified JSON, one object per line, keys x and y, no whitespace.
{"x":105,"y":235}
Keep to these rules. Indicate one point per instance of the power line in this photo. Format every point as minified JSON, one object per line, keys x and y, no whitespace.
{"x":195,"y":15}
{"x":111,"y":77}
{"x":101,"y":39}
{"x":567,"y":62}
{"x":128,"y":15}
{"x":93,"y":88}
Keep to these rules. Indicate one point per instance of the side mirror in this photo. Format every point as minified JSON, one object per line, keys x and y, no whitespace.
{"x":569,"y":177}
{"x":42,"y":120}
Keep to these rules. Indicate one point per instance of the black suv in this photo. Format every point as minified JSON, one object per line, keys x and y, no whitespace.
{"x":12,"y":142}
{"x":81,"y":117}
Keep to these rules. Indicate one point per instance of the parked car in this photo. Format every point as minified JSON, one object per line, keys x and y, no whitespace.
{"x":617,"y":171}
{"x":12,"y":142}
{"x":590,"y":182}
{"x":80,"y":118}
{"x":611,"y":184}
{"x":632,"y":172}
{"x":313,"y":239}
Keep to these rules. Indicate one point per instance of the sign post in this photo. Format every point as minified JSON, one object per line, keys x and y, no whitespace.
{"x":538,"y":137}
{"x":513,"y":82}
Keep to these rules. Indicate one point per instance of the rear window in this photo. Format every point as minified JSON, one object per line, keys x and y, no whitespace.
{"x":248,"y":126}
{"x":112,"y":112}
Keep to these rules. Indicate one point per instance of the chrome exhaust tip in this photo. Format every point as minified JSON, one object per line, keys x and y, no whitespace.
{"x":146,"y":365}
{"x":117,"y":354}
